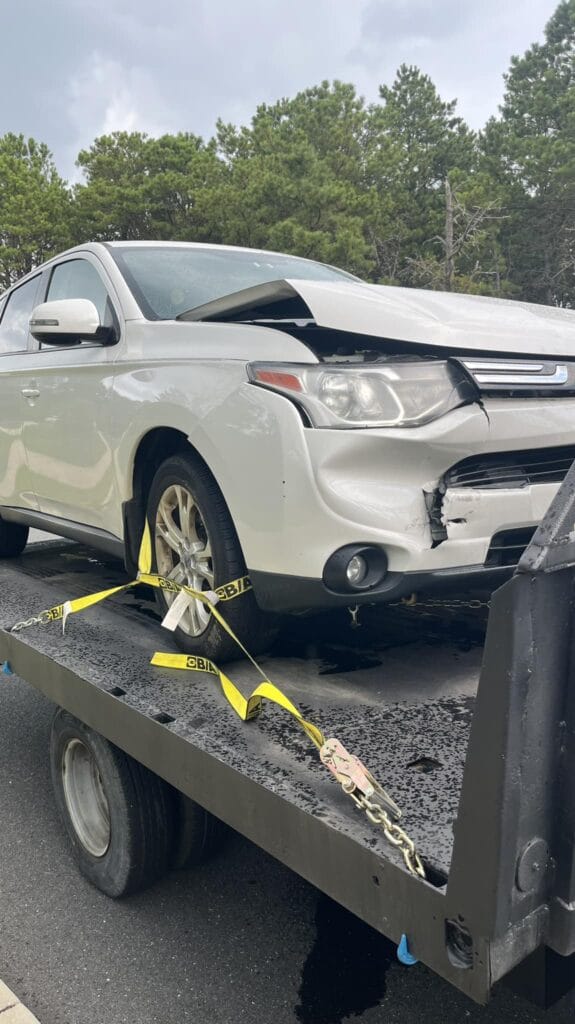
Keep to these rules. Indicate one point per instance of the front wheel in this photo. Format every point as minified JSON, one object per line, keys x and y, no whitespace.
{"x":194,"y":542}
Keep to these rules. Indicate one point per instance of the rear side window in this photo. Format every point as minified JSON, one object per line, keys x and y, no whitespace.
{"x":17,"y":310}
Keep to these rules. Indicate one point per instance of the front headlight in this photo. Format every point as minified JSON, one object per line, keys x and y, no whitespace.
{"x":400,"y":394}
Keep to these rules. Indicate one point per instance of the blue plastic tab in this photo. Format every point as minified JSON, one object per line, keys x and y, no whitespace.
{"x":6,"y":669}
{"x":403,"y":954}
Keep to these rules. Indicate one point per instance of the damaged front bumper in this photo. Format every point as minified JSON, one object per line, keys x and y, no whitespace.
{"x":413,"y":493}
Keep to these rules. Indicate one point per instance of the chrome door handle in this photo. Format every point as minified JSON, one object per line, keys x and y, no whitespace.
{"x":30,"y":392}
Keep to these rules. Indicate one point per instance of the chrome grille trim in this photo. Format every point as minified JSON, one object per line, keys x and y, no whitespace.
{"x":511,"y":375}
{"x":501,"y":367}
{"x":559,"y":377}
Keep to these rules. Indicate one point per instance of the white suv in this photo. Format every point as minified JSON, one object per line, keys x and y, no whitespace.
{"x":343,"y":442}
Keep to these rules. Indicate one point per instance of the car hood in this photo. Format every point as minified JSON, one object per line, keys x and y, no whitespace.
{"x":442,"y":319}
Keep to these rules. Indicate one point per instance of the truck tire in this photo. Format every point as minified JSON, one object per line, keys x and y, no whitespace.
{"x":198,"y":834}
{"x":13,"y":539}
{"x":194,"y":542}
{"x":118,"y":815}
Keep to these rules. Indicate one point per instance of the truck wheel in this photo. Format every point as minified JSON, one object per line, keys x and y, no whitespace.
{"x":13,"y":539}
{"x":194,"y":541}
{"x":118,"y":815}
{"x":198,"y":834}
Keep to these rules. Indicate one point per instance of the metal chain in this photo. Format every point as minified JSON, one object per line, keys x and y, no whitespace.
{"x":473,"y":603}
{"x":36,"y":620}
{"x":392,"y":832}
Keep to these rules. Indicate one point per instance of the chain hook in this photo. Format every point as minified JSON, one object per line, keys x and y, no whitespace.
{"x":367,"y":794}
{"x":354,"y":612}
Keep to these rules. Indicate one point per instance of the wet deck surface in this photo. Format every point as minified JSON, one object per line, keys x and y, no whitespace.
{"x":398,"y":691}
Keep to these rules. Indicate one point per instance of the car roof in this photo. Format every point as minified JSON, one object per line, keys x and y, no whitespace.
{"x":161,"y":244}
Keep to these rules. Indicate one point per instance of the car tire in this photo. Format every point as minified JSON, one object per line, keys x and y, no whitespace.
{"x":184,"y":491}
{"x":13,"y":539}
{"x":118,"y":815}
{"x":198,"y":834}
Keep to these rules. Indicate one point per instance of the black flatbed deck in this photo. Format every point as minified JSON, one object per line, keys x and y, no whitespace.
{"x":399,"y":692}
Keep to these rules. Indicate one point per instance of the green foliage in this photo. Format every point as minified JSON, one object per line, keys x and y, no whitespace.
{"x":400,"y":191}
{"x":34,"y":207}
{"x":530,"y":151}
{"x":295,"y":178}
{"x":415,"y":140}
{"x":137,"y":187}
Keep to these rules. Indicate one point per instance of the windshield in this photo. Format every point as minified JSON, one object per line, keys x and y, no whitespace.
{"x":168,"y":280}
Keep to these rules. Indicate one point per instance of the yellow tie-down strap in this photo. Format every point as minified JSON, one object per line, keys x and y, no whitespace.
{"x":346,"y":768}
{"x":80,"y":604}
{"x":245,"y":707}
{"x":227,"y":592}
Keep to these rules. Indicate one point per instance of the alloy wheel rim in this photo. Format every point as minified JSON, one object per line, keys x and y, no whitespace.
{"x":184,"y":553}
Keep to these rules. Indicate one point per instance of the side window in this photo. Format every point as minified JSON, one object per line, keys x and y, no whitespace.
{"x":78,"y":279}
{"x":17,"y":310}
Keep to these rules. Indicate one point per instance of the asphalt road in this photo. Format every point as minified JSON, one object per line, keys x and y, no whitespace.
{"x":238,"y":939}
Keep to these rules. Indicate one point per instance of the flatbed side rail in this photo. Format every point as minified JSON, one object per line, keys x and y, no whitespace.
{"x":512,"y":877}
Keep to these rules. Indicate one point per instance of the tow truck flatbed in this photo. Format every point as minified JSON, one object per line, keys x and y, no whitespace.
{"x":477,"y":778}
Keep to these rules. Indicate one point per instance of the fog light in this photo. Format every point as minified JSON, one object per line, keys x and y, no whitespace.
{"x":356,"y":570}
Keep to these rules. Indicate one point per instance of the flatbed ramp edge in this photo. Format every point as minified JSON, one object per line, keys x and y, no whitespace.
{"x":494,"y":821}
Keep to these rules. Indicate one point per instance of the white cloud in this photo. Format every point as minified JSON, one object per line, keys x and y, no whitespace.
{"x":108,"y":97}
{"x":178,"y":65}
{"x":465,"y":47}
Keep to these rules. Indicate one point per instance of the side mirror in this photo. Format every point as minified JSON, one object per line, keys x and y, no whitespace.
{"x":67,"y":322}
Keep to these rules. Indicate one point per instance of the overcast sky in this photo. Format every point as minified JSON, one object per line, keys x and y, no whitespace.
{"x":73,"y":69}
